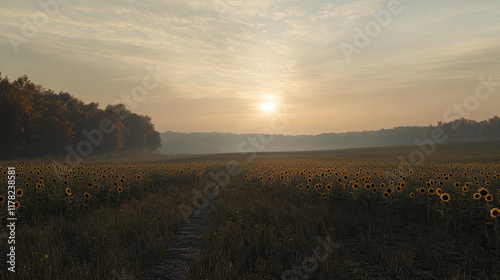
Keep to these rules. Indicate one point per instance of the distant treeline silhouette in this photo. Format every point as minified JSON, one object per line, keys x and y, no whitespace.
{"x":460,"y":130}
{"x":35,"y":122}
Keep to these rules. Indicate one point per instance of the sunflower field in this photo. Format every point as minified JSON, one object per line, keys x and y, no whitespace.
{"x":89,"y":220}
{"x":380,"y":219}
{"x":438,"y":220}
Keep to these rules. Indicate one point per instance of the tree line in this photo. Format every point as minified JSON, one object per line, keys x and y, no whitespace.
{"x":35,"y":122}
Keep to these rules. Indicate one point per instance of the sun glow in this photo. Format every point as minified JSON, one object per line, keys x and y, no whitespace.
{"x":268,"y":107}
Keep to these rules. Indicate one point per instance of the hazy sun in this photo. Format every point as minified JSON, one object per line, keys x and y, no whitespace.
{"x":268,"y":107}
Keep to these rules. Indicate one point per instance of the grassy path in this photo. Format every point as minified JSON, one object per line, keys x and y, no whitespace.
{"x":184,"y":246}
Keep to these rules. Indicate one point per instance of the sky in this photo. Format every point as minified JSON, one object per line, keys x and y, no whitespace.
{"x":233,"y":65}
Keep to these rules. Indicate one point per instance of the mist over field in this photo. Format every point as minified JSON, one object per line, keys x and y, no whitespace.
{"x":460,"y":130}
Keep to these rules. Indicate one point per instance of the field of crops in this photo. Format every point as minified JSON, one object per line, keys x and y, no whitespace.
{"x":276,"y":218}
{"x":93,"y":220}
{"x":434,"y":221}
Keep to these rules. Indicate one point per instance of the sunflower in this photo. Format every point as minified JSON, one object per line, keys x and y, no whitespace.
{"x":422,"y":190}
{"x":445,"y":197}
{"x":2,"y":199}
{"x":477,"y":196}
{"x":16,"y":204}
{"x":483,"y":191}
{"x":488,"y":197}
{"x":329,"y":186}
{"x":308,"y":186}
{"x":465,"y":189}
{"x":431,"y":191}
{"x":368,"y":186}
{"x":86,"y":195}
{"x":19,"y":192}
{"x":495,"y":213}
{"x":300,"y":186}
{"x":119,"y":189}
{"x":386,"y":194}
{"x":439,"y":191}
{"x":324,"y":195}
{"x":412,"y":195}
{"x":457,"y":184}
{"x":68,"y":191}
{"x":355,"y":186}
{"x":487,"y":183}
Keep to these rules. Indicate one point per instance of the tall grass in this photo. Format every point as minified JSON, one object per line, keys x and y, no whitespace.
{"x":263,"y":225}
{"x":125,"y":224}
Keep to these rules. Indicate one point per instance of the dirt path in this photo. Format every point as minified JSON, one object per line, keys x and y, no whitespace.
{"x":184,"y":246}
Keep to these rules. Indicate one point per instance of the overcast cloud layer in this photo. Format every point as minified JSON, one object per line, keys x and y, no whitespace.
{"x":220,"y":60}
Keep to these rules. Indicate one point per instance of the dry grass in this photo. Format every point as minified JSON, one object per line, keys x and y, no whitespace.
{"x":263,"y":224}
{"x":61,"y":236}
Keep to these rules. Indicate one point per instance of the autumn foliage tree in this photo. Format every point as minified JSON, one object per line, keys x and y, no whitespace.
{"x":38,"y":122}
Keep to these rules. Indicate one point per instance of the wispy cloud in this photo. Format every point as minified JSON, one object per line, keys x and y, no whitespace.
{"x":223,"y":56}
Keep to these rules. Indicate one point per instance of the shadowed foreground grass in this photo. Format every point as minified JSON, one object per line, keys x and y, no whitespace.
{"x":99,"y":221}
{"x":269,"y":230}
{"x":351,"y":214}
